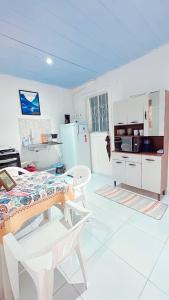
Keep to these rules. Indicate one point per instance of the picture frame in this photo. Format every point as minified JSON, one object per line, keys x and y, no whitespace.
{"x":6,"y":180}
{"x":29,"y":102}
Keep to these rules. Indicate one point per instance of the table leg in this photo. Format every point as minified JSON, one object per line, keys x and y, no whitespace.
{"x":47,"y":215}
{"x":5,"y":287}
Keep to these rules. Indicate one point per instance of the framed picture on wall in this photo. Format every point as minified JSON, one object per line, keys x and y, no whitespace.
{"x":29,"y":102}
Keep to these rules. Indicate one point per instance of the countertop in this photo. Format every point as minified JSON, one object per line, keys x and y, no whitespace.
{"x":41,"y":146}
{"x":141,"y":153}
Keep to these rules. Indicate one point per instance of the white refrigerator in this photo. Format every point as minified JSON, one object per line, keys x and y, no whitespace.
{"x":76,"y":145}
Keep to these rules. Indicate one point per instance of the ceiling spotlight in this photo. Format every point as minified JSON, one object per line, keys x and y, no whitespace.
{"x":49,"y":61}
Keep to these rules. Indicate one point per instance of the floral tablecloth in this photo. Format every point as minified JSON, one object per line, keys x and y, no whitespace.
{"x":30,"y":188}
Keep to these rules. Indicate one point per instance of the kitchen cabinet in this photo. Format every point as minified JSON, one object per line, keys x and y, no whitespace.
{"x":151,"y":173}
{"x":119,"y":171}
{"x":135,"y":109}
{"x":130,"y":111}
{"x":127,"y":168}
{"x":148,"y":112}
{"x":140,"y":171}
{"x":133,"y":174}
{"x":154,"y":108}
{"x":147,"y":109}
{"x":120,"y":112}
{"x":130,"y":157}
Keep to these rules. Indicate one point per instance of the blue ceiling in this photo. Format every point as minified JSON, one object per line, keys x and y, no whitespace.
{"x":85,"y":38}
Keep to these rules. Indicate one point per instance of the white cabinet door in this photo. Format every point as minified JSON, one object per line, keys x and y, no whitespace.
{"x":154,"y":108}
{"x":151,"y":173}
{"x":119,"y":171}
{"x":130,"y":157}
{"x":99,"y":156}
{"x":133,"y":174}
{"x":135,"y":109}
{"x":120,"y":112}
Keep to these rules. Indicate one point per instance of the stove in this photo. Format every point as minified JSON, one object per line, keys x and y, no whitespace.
{"x":9,"y":157}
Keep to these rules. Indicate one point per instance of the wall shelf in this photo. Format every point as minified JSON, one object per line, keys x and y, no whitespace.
{"x":41,"y":146}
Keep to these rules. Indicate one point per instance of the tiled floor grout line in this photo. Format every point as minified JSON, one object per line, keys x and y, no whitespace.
{"x":68,"y":281}
{"x":87,"y":261}
{"x":114,"y":233}
{"x":153,"y":236}
{"x":126,"y":222}
{"x":164,"y":244}
{"x":106,"y":236}
{"x":135,"y":213}
{"x":122,"y":259}
{"x":104,"y":246}
{"x":157,"y":259}
{"x":158,"y":288}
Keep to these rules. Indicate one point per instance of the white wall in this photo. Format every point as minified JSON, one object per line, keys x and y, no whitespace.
{"x":149,"y":73}
{"x":54,"y":103}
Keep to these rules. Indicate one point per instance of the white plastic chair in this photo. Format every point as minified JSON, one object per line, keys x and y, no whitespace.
{"x":14,"y":171}
{"x":43,"y":250}
{"x":81,"y":175}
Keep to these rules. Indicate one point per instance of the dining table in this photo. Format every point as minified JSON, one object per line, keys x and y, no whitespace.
{"x":35,"y":193}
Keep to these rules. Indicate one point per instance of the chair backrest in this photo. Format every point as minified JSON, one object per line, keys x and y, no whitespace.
{"x":14,"y":171}
{"x":66,"y":245}
{"x":61,"y":248}
{"x":81,"y":175}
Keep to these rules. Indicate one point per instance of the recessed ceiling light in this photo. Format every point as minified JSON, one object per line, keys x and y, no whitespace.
{"x":49,"y":61}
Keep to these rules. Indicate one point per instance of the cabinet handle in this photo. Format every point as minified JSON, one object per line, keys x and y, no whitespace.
{"x":145,"y":115}
{"x":148,"y":159}
{"x":120,"y":123}
{"x":118,"y":162}
{"x":133,"y":122}
{"x":133,"y":165}
{"x":125,"y":157}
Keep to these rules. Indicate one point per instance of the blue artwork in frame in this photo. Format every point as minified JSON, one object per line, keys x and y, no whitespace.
{"x":29,"y":102}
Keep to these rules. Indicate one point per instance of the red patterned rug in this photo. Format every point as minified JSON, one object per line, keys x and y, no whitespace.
{"x":142,"y":204}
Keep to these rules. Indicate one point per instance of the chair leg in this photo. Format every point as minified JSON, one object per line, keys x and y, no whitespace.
{"x":83,"y":197}
{"x":68,"y":215}
{"x":84,"y":201}
{"x":44,"y":284}
{"x":10,"y":274}
{"x":80,"y":257}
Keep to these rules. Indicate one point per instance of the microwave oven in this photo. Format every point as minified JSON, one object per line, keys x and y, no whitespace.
{"x":128,"y":143}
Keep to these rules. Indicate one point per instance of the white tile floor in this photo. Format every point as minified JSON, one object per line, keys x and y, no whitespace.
{"x":126,"y":253}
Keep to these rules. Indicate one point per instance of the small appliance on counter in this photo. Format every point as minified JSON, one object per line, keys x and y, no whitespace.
{"x":137,"y":144}
{"x":117,"y":142}
{"x":9,"y":157}
{"x":128,"y":144}
{"x":160,"y":151}
{"x":67,"y":119}
{"x":147,"y":145}
{"x":54,"y":137}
